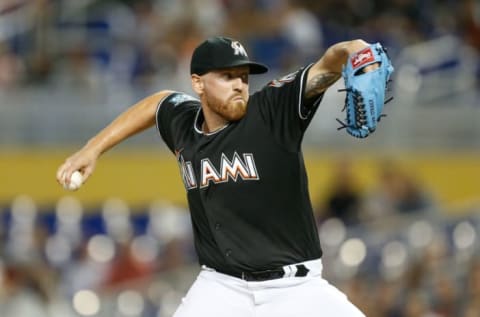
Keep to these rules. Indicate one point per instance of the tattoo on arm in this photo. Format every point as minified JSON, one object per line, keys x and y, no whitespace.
{"x":320,"y":83}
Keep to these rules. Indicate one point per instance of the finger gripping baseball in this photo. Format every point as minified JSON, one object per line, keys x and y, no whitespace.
{"x":365,"y":91}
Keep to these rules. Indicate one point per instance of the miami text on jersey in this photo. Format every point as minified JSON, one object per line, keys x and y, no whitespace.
{"x":228,"y":170}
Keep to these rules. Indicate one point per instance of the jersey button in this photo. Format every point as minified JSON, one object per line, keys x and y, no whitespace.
{"x":228,"y":253}
{"x":218,"y":226}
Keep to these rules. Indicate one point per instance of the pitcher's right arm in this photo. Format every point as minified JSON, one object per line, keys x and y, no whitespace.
{"x":135,"y":119}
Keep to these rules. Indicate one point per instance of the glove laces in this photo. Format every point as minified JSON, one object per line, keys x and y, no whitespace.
{"x":359,"y":109}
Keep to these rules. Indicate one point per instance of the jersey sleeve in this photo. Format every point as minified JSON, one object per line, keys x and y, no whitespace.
{"x":174,"y":116}
{"x":284,"y":108}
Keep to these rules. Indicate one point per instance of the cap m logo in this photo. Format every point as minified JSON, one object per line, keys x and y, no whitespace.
{"x":238,"y":49}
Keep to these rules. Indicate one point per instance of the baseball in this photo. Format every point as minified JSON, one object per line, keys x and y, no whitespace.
{"x":75,"y":181}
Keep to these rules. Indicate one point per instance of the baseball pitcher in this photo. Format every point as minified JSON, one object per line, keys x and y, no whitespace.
{"x":241,"y":163}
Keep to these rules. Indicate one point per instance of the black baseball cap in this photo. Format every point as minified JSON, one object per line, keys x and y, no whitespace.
{"x":222,"y":52}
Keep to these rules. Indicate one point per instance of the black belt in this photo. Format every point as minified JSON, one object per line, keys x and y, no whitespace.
{"x":267,"y":275}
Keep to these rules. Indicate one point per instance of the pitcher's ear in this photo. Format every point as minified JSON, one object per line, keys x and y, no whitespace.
{"x":197,"y":84}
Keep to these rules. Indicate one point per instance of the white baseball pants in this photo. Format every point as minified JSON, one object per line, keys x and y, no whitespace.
{"x":215,"y":294}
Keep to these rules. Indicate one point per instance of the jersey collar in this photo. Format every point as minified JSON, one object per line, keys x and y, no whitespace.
{"x":199,"y":119}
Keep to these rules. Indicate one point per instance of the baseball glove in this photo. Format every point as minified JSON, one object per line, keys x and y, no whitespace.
{"x":365,"y":91}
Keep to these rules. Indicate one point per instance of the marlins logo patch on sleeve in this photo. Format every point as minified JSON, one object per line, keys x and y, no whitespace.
{"x":282,"y":81}
{"x":180,"y":98}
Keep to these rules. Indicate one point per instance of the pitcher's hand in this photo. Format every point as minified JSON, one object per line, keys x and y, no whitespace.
{"x":83,"y":161}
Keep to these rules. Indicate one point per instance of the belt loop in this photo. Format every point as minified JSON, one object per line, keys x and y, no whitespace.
{"x":290,"y":270}
{"x":293,"y":269}
{"x":301,"y":270}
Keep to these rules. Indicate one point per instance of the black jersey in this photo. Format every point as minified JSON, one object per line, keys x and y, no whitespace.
{"x":246,"y":183}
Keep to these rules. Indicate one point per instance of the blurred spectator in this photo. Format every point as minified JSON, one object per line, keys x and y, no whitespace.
{"x":303,"y":30}
{"x":385,"y":299}
{"x":24,"y":292}
{"x":396,"y":192}
{"x":126,"y":268}
{"x":77,"y":70}
{"x":470,"y":19}
{"x":416,"y":305}
{"x":445,"y":296}
{"x":343,"y":197}
{"x":12,"y":69}
{"x":39,"y":40}
{"x":471,"y":295}
{"x":83,"y":272}
{"x":174,"y":255}
{"x":357,"y":290}
{"x":470,"y":27}
{"x":472,"y":309}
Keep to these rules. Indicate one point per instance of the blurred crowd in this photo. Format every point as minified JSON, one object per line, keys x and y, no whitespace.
{"x":67,"y":260}
{"x":392,"y":249}
{"x":396,"y":191}
{"x":142,"y":42}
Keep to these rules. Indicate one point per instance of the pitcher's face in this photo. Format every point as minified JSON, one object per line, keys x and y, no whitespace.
{"x":225,"y":92}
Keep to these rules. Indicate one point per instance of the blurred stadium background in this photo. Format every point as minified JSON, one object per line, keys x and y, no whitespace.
{"x":399,"y":212}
